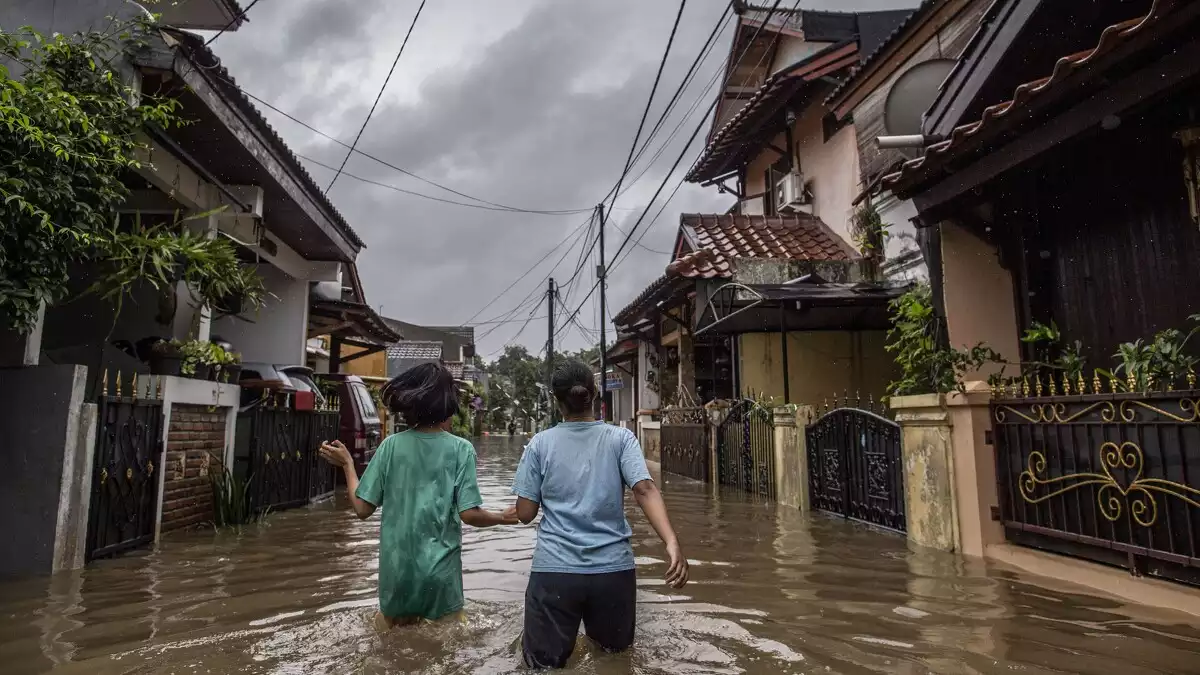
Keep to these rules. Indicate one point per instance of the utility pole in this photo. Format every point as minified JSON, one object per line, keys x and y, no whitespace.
{"x":601,"y":272}
{"x":550,"y":351}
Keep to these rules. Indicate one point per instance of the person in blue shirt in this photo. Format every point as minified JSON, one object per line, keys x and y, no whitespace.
{"x":575,"y":474}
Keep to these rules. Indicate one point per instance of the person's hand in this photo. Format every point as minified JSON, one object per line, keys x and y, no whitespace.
{"x":510,"y":516}
{"x":335,"y":453}
{"x":677,"y":567}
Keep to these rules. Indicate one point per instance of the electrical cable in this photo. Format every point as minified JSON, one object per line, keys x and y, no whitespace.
{"x":377,"y":96}
{"x":229,"y":25}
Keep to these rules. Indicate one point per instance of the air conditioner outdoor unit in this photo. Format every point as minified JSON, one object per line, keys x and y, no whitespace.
{"x":791,"y":195}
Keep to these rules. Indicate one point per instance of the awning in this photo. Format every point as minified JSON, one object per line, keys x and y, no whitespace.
{"x":349,"y":321}
{"x":807,"y":304}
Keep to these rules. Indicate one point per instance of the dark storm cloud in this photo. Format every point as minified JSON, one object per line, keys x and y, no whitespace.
{"x":531,"y":104}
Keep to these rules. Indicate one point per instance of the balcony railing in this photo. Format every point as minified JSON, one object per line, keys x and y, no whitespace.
{"x":1112,"y":477}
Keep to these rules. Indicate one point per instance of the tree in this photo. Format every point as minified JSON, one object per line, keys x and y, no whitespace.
{"x":69,"y":136}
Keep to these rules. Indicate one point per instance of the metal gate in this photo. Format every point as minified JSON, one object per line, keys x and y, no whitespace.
{"x":685,"y":442}
{"x":285,"y":470}
{"x":129,"y":441}
{"x":854,"y":467}
{"x":746,"y":449}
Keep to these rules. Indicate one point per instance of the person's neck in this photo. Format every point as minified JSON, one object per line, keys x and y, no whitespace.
{"x":429,"y":429}
{"x":578,"y":418}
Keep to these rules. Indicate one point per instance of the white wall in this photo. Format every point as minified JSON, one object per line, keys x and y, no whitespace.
{"x":793,"y":50}
{"x":277,"y":333}
{"x":647,"y":399}
{"x":902,"y":259}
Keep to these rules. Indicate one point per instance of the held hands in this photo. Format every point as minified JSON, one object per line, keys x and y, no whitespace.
{"x":510,"y":516}
{"x":335,"y":453}
{"x":677,"y":567}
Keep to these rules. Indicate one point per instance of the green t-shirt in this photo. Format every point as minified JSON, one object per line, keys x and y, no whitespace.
{"x":421,"y":481}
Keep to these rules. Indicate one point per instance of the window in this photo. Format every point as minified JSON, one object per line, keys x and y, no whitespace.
{"x":365,"y":404}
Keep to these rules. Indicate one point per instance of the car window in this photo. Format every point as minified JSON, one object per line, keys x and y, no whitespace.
{"x":364,"y":401}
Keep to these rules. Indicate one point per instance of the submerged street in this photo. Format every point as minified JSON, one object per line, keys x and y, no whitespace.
{"x":771,"y":592}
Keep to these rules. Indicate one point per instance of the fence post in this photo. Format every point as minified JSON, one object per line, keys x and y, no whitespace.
{"x":791,"y":459}
{"x":716,"y":415}
{"x":926,"y":448}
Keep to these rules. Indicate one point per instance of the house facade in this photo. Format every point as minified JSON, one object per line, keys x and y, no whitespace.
{"x":1058,"y":189}
{"x":115,"y":439}
{"x":775,"y":298}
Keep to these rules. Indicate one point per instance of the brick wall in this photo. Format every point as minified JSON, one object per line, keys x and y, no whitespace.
{"x":195,"y":444}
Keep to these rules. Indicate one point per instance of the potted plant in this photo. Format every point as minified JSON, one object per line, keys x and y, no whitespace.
{"x":166,"y":358}
{"x":196,"y":359}
{"x":226,"y":364}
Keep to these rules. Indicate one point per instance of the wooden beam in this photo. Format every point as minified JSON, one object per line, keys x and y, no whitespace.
{"x":1132,"y":90}
{"x":375,"y":349}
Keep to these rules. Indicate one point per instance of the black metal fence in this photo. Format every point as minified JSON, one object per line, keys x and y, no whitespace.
{"x":284,"y":468}
{"x":129,"y":442}
{"x":746,"y":449}
{"x":1114,"y":478}
{"x":685,"y":447}
{"x":855,"y":467}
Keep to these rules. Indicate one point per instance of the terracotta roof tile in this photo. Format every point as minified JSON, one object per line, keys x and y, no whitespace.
{"x":415,"y":349}
{"x":720,"y":238}
{"x":912,"y":172}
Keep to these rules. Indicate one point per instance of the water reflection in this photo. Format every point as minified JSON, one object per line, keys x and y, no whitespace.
{"x":772,"y":592}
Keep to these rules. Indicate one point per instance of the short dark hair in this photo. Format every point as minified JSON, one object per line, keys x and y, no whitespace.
{"x":425,"y":395}
{"x":574,"y":386}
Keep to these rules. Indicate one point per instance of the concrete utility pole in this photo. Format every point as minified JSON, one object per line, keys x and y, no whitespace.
{"x":550,"y":291}
{"x":601,"y":272}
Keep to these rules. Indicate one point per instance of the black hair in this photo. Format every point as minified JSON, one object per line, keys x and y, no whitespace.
{"x":425,"y":395}
{"x":574,"y":386}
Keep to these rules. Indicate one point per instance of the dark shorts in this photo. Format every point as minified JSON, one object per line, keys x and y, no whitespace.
{"x":555,"y":604}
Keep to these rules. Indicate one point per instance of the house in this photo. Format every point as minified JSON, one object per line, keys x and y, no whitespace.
{"x":1059,"y":187}
{"x":773,"y":298}
{"x":135,"y":450}
{"x":909,"y":63}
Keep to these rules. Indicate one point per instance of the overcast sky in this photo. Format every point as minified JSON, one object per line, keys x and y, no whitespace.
{"x":527,"y":103}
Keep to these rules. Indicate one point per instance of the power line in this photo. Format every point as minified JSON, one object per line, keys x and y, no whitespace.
{"x":649,"y":102}
{"x":272,"y":107}
{"x":229,"y":25}
{"x":378,"y":96}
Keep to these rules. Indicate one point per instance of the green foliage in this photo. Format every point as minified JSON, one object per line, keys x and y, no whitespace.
{"x":869,"y":230}
{"x":196,"y":353}
{"x":1051,"y":355}
{"x":927,"y":367}
{"x":1162,"y":360}
{"x":231,"y":501}
{"x":69,"y":134}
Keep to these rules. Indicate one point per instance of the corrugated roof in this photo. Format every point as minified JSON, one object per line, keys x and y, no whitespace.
{"x":414,"y":349}
{"x":967,"y":136}
{"x":776,"y":91}
{"x":870,"y":60}
{"x":194,"y":48}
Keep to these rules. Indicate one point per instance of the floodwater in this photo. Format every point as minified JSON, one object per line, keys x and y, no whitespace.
{"x":771,"y":592}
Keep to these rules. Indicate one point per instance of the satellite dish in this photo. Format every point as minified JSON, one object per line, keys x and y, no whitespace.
{"x":911,"y":96}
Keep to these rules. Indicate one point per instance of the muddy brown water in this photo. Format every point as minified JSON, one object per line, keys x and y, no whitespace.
{"x":772,"y":592}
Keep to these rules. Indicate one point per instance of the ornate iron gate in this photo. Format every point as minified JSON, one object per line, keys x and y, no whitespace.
{"x":854,"y":467}
{"x":129,"y":441}
{"x":285,"y":470}
{"x":685,"y":442}
{"x":746,"y":449}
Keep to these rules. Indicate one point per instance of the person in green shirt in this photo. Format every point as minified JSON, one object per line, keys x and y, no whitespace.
{"x":424,"y":480}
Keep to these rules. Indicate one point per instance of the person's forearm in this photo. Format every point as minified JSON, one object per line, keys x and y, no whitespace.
{"x":361,"y":508}
{"x":478,"y":517}
{"x":651,"y":502}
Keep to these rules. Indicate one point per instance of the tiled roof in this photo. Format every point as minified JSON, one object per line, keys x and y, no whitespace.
{"x":794,"y":237}
{"x":775,"y":92}
{"x":414,"y":349}
{"x":701,"y":264}
{"x":966,"y":137}
{"x":208,"y":63}
{"x":650,"y":291}
{"x":455,"y":368}
{"x":868,"y":62}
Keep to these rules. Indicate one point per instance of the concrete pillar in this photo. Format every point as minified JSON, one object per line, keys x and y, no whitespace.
{"x":927,"y":453}
{"x":651,"y":440}
{"x":978,"y":295}
{"x":717,"y":413}
{"x":22,"y":349}
{"x":949,"y":470}
{"x":791,"y":456}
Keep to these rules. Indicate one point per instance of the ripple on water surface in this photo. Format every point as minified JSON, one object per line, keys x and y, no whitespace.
{"x":772,"y":592}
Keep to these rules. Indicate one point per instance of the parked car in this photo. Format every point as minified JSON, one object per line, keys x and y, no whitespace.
{"x":361,"y":427}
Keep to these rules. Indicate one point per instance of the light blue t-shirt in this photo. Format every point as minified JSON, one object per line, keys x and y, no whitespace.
{"x":578,"y":472}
